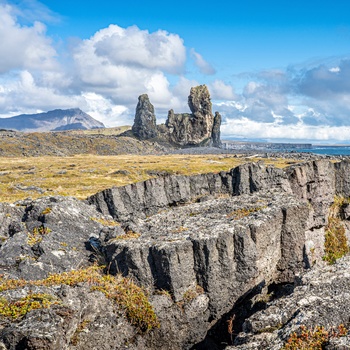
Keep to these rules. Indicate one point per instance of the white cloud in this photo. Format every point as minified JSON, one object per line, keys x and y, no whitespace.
{"x":246,"y":128}
{"x":334,"y":69}
{"x":23,"y":47}
{"x":139,"y":48}
{"x":22,"y":94}
{"x":121,"y":64}
{"x":221,"y":91}
{"x":201,"y":63}
{"x":105,"y":111}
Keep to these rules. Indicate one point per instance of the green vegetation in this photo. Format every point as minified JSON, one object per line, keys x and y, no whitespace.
{"x":315,"y":339}
{"x":19,"y":308}
{"x":123,"y":291}
{"x":37,"y":235}
{"x":336,"y":244}
{"x":84,"y":175}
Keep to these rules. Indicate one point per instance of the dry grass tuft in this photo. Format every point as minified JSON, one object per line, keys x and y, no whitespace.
{"x":314,"y":339}
{"x":336,"y":244}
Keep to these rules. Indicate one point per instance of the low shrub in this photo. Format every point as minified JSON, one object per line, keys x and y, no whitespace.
{"x":315,"y":339}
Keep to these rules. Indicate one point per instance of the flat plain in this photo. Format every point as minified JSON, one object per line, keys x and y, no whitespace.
{"x":84,"y":175}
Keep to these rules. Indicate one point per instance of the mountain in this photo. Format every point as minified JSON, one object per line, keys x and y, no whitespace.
{"x":56,"y":120}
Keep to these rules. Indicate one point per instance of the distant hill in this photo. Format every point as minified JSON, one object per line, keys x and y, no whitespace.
{"x":56,"y":120}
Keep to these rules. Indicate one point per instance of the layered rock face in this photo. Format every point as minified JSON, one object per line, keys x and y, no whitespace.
{"x":199,"y":245}
{"x":320,"y":298}
{"x":199,"y":128}
{"x":145,"y":121}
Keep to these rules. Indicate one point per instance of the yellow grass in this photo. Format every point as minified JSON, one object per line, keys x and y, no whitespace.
{"x":84,"y":175}
{"x":103,"y":131}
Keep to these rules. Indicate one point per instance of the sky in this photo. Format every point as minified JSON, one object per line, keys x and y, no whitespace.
{"x":276,"y":70}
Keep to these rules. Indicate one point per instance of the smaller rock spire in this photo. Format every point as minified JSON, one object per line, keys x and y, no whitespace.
{"x":145,"y":120}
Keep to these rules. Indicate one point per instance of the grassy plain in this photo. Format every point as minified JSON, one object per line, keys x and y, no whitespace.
{"x":84,"y":175}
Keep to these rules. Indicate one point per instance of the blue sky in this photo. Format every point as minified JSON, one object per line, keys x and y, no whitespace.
{"x":276,"y":70}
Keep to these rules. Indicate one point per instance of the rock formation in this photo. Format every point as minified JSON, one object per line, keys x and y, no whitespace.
{"x":319,"y":298}
{"x":216,"y":130}
{"x":200,"y":245}
{"x":195,"y":129}
{"x":145,"y":121}
{"x":199,"y":128}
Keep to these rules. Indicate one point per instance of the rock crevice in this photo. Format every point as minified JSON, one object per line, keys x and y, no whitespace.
{"x":198,"y":244}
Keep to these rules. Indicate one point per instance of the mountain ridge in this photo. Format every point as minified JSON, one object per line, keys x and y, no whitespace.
{"x":54,"y":120}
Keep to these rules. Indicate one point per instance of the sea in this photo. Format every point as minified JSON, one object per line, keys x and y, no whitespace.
{"x":328,"y":150}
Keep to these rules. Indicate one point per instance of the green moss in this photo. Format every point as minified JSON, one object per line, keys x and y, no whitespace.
{"x":123,"y":291}
{"x":19,"y":308}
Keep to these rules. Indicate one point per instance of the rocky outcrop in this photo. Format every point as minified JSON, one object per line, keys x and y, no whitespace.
{"x":195,"y":129}
{"x":144,"y":126}
{"x":220,"y":245}
{"x":198,"y":128}
{"x":68,"y":143}
{"x":216,"y":130}
{"x":319,"y":298}
{"x":200,"y":245}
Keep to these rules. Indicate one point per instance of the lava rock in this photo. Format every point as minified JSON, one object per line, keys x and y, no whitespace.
{"x":145,"y":120}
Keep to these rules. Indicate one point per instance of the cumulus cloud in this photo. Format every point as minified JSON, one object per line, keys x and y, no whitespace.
{"x":124,"y":63}
{"x":266,"y":103}
{"x":103,"y":74}
{"x":23,"y":47}
{"x":139,"y":48}
{"x":221,"y":91}
{"x":203,"y":66}
{"x":327,"y":91}
{"x":22,"y":94}
{"x":105,"y":111}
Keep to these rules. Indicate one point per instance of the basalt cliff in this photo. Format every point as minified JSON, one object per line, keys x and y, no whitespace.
{"x":222,"y":260}
{"x":198,"y":128}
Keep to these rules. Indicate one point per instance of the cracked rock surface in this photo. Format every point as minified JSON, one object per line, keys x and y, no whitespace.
{"x":200,"y":246}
